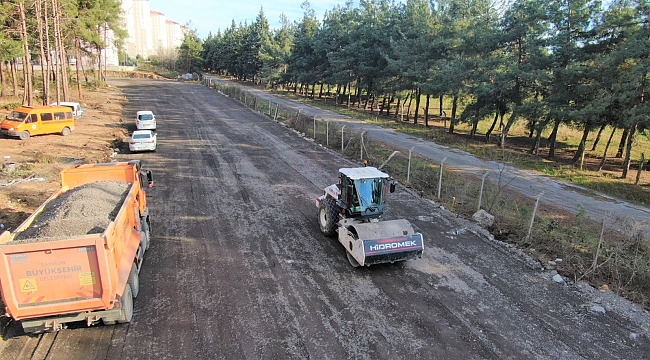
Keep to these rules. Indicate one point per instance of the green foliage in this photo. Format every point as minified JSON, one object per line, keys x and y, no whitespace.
{"x":189,"y":53}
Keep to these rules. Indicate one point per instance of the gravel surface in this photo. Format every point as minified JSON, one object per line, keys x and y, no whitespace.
{"x":83,"y":210}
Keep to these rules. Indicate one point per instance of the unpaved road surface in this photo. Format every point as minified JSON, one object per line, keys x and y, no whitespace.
{"x":618,"y":214}
{"x":238,"y":268}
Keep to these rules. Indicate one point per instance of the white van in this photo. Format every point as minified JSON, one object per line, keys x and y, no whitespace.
{"x":145,"y":120}
{"x":77,"y":110}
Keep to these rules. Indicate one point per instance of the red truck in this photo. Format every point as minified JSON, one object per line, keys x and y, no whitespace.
{"x":78,"y":256}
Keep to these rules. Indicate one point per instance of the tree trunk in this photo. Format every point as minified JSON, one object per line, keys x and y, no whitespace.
{"x":390,"y":101}
{"x":454,"y":108}
{"x":60,"y":49}
{"x":2,"y":79}
{"x":48,"y":48}
{"x":28,"y":96}
{"x":532,"y":129}
{"x":600,"y":132}
{"x":83,"y":71}
{"x":14,"y":75}
{"x":506,"y":129}
{"x":399,"y":102}
{"x":349,"y":94}
{"x":441,"y":111}
{"x":609,"y":141}
{"x":640,"y":170}
{"x":320,"y":92}
{"x":42,"y":58}
{"x":628,"y":151}
{"x":581,"y":147}
{"x":621,"y":145}
{"x":103,"y":74}
{"x":418,"y":93}
{"x":408,"y":111}
{"x":494,"y":123}
{"x":552,"y":139}
{"x":358,"y":93}
{"x":426,"y":111}
{"x":78,"y":66}
{"x":538,"y":138}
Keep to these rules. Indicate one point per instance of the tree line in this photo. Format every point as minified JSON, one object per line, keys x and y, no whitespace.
{"x":545,"y":62}
{"x":49,"y":32}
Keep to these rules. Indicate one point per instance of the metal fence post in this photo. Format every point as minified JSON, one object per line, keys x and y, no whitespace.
{"x":275,"y":117}
{"x":327,"y":132}
{"x":362,"y":144}
{"x":442,"y":163}
{"x":342,"y":139}
{"x":480,"y":195}
{"x":532,"y":218}
{"x":408,"y":169}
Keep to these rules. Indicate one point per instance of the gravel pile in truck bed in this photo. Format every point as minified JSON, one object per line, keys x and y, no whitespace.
{"x":86,"y":209}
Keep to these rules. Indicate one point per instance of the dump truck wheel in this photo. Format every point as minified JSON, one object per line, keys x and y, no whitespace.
{"x":23,"y":135}
{"x":328,"y":216}
{"x":127,"y":306}
{"x":65,"y":131}
{"x":352,"y":260}
{"x":134,"y":281}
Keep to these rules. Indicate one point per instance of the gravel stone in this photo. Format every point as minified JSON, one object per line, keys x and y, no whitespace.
{"x":86,"y":209}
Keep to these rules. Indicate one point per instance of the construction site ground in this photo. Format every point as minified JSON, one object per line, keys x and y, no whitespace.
{"x":238,"y":268}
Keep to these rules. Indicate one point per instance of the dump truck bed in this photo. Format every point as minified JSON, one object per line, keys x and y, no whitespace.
{"x":75,"y":252}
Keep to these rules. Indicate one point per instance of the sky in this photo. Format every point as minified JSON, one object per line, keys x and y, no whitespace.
{"x":211,"y":15}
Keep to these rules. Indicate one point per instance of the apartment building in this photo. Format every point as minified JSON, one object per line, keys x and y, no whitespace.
{"x":149,"y":32}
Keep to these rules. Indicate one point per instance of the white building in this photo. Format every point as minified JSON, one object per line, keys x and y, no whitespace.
{"x":137,"y":17}
{"x":158,"y":31}
{"x":149,"y":31}
{"x":174,"y":34}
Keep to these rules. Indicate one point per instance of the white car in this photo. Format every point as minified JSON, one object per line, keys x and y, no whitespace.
{"x":77,"y":110}
{"x":145,"y":120}
{"x":143,"y":140}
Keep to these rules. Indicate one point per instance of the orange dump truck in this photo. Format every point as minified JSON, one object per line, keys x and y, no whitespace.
{"x":77,"y":257}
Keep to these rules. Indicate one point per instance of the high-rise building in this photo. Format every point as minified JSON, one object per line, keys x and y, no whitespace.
{"x":158,"y":31}
{"x":174,"y":33}
{"x":149,"y":32}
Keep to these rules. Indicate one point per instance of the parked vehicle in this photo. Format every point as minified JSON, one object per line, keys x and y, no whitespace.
{"x":145,"y":120}
{"x":75,"y":258}
{"x":143,"y":140}
{"x":77,"y":110}
{"x":26,"y":121}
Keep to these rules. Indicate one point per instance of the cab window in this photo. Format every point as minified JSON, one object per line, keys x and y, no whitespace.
{"x":46,"y":116}
{"x":32,"y":118}
{"x":17,"y":116}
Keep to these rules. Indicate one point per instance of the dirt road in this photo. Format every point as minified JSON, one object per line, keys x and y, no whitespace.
{"x":238,"y":268}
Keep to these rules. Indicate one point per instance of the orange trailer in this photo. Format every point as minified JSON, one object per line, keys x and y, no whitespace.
{"x":50,"y":280}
